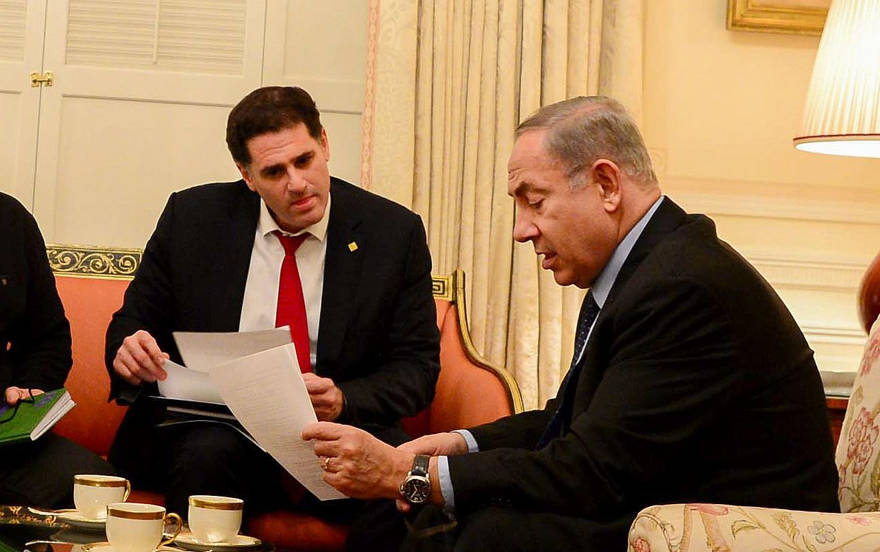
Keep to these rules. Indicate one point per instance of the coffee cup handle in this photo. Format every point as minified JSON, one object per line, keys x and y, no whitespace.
{"x":127,"y":491}
{"x":179,"y":522}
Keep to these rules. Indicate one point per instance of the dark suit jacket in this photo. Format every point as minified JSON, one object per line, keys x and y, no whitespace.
{"x":32,"y":322}
{"x":697,"y":386}
{"x":378,"y":337}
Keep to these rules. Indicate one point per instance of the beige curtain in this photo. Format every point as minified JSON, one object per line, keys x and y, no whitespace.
{"x":447,"y":83}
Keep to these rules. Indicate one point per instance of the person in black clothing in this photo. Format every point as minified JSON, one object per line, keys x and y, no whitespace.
{"x":34,"y":357}
{"x":365,"y":330}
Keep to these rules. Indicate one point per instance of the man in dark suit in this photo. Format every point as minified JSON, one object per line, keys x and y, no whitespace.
{"x":690,"y":381}
{"x":34,"y":358}
{"x":219,"y":260}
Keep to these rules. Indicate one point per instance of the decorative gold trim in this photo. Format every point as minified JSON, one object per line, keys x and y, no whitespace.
{"x":441,"y":288}
{"x":128,"y":514}
{"x":769,"y":16}
{"x":216,"y":503}
{"x":506,"y":377}
{"x":102,"y":481}
{"x":85,"y":261}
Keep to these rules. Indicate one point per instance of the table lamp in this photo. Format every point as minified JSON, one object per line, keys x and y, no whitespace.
{"x":842,"y":113}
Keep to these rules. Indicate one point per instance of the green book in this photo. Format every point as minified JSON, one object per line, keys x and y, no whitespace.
{"x":31,"y":419}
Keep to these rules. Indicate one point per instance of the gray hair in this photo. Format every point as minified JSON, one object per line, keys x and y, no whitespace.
{"x":584,"y":129}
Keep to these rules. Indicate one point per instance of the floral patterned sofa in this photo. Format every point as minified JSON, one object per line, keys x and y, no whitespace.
{"x":718,"y":527}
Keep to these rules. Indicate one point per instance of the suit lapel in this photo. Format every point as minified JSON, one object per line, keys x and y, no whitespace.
{"x":666,"y":219}
{"x":342,"y":272}
{"x":237,"y":246}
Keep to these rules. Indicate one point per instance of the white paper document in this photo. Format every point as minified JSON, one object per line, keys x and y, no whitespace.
{"x":183,"y":383}
{"x":266,"y":393}
{"x":201,"y":351}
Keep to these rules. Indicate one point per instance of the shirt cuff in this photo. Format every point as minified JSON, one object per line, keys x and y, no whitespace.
{"x":443,"y":471}
{"x":469,"y":439}
{"x":445,"y":484}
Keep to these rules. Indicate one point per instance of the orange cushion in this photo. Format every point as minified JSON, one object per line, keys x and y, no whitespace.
{"x":89,"y":304}
{"x":420,"y":424}
{"x":467,"y":395}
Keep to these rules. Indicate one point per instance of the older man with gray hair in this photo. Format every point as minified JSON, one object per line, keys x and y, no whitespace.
{"x":690,"y":381}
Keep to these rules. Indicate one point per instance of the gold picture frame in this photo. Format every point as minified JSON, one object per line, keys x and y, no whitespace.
{"x":778,"y":16}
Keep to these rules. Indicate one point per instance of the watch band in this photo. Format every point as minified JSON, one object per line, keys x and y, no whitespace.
{"x":420,"y":465}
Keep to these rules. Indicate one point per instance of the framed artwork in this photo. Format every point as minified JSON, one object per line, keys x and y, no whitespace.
{"x":778,"y":16}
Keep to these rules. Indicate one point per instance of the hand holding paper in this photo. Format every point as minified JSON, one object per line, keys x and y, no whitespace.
{"x":266,"y":393}
{"x":140,"y":359}
{"x":326,"y":397}
{"x":358,"y":464}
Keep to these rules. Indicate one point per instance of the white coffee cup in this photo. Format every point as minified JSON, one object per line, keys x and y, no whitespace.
{"x":136,"y":527}
{"x":92,"y":493}
{"x":214,"y":518}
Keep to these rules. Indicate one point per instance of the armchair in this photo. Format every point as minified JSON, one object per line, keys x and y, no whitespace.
{"x":720,"y":527}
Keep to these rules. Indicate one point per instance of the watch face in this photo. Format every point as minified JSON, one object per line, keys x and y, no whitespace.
{"x":416,"y":489}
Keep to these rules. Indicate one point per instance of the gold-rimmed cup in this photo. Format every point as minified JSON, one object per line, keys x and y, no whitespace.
{"x":137,"y":527}
{"x":214,"y":519}
{"x":93,"y":492}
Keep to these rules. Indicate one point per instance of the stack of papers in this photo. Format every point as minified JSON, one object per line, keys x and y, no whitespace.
{"x":257,"y":376}
{"x":203,"y":351}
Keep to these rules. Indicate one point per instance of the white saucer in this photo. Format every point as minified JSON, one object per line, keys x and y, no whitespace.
{"x":73,"y":518}
{"x":238,"y":542}
{"x":107,"y":547}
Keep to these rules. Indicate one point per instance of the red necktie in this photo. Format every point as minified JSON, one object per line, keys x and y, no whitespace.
{"x":291,"y":303}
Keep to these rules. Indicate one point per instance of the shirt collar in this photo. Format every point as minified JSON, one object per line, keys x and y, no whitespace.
{"x":602,"y":286}
{"x":267,"y":223}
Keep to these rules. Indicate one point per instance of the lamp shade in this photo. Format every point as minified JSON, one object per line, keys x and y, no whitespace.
{"x":842,"y":113}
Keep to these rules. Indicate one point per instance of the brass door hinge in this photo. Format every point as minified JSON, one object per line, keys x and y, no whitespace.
{"x":41,"y":79}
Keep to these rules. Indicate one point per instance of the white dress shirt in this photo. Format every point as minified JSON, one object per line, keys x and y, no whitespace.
{"x":261,"y":289}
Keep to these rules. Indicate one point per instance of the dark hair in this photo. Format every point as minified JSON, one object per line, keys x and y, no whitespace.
{"x":269,"y":109}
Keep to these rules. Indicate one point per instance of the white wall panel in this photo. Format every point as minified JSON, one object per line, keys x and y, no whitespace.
{"x":10,"y":116}
{"x":21,"y":51}
{"x":12,"y":29}
{"x":321,"y":47}
{"x":119,"y":132}
{"x":118,"y":160}
{"x":177,"y":35}
{"x":344,"y":133}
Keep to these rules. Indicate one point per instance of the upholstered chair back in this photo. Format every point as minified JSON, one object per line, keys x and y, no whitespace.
{"x":858,"y":461}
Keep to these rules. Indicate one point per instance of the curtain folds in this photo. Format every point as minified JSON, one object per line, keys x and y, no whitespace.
{"x":447,"y":83}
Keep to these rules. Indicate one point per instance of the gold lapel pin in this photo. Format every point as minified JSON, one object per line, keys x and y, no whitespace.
{"x":353,"y":247}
